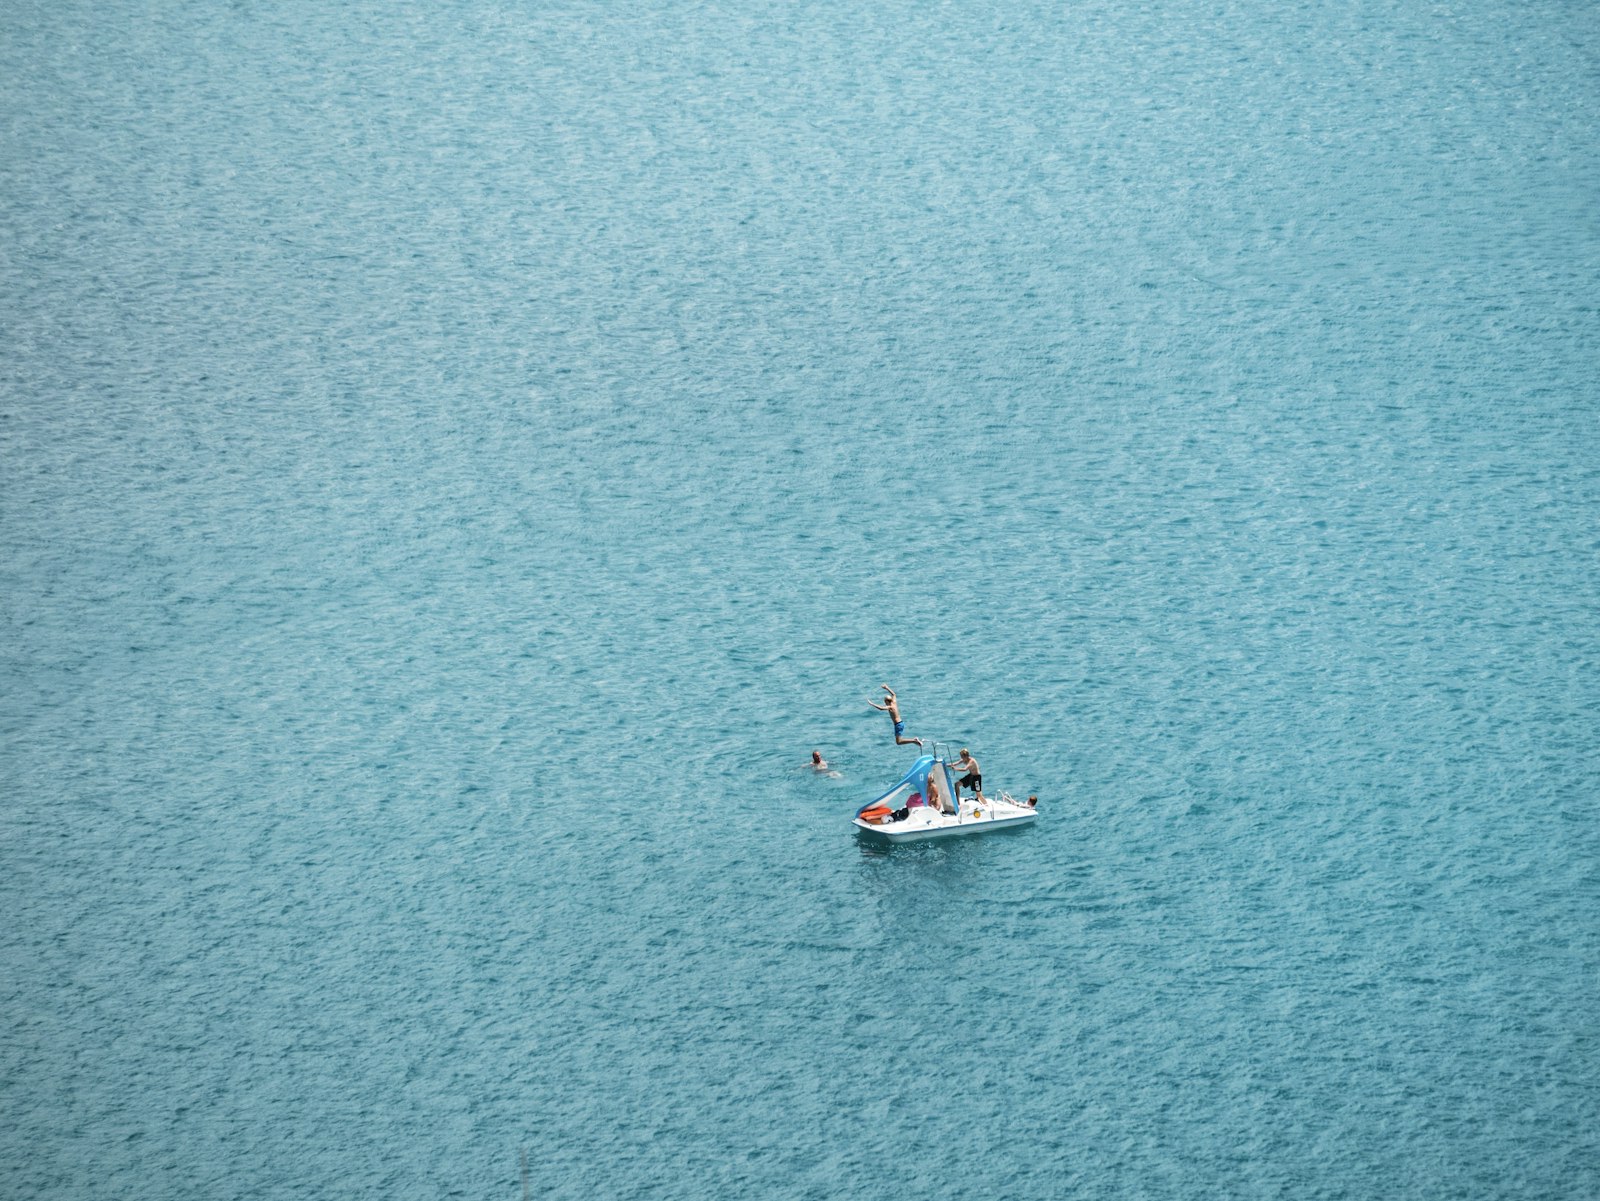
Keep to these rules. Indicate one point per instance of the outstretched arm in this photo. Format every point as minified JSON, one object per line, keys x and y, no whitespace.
{"x":875,"y":705}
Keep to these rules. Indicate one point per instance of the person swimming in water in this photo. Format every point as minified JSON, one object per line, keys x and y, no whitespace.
{"x":892,"y":708}
{"x":822,"y":767}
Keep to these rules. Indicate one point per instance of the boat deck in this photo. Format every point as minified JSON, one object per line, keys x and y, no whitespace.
{"x":974,"y":818}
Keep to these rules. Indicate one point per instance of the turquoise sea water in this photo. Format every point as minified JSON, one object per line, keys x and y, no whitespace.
{"x":457,"y":461}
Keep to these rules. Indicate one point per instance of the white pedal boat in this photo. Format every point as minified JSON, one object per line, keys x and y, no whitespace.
{"x":922,"y":805}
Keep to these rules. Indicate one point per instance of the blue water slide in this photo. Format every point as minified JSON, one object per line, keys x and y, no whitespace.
{"x":917,"y":778}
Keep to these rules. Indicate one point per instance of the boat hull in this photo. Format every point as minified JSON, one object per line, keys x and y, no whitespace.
{"x":941,"y":826}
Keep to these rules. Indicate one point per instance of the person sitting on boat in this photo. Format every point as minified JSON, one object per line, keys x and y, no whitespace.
{"x":892,"y":708}
{"x":973,"y":779}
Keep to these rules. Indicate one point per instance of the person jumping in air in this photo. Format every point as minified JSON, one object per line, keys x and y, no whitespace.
{"x":892,"y":708}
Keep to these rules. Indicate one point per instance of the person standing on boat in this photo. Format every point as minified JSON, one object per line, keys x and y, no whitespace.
{"x":974,"y":777}
{"x":892,"y":708}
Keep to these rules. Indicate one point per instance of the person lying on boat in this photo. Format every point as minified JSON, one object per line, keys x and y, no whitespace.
{"x":892,"y":708}
{"x":973,"y":779}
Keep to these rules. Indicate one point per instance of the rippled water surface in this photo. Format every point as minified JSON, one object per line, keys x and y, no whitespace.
{"x":456,"y":462}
